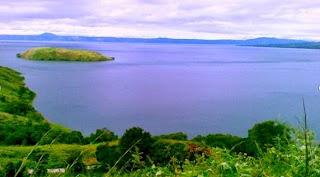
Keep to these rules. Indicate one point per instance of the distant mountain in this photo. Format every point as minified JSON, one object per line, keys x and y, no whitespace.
{"x":53,"y":37}
{"x":309,"y":45}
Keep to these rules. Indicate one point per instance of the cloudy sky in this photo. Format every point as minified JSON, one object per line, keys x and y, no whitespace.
{"x":202,"y":19}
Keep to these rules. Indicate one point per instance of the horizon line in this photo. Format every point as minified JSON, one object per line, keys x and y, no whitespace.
{"x":261,"y":37}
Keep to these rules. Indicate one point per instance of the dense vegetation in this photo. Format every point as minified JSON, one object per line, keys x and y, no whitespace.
{"x":61,"y":54}
{"x":271,"y":148}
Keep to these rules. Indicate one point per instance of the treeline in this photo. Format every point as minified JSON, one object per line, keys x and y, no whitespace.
{"x":159,"y":150}
{"x":137,"y":149}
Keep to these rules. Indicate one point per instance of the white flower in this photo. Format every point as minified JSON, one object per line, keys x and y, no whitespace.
{"x":159,"y":173}
{"x":225,"y":165}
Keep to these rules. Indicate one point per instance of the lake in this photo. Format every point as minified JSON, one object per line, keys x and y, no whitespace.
{"x":166,"y":88}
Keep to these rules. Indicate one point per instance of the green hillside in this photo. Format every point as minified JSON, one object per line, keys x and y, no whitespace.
{"x":61,"y":54}
{"x":20,"y":123}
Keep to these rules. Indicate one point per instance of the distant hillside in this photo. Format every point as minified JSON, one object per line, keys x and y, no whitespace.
{"x":53,"y":37}
{"x":310,"y":45}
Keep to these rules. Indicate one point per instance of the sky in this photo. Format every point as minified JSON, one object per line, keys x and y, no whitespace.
{"x":189,"y":19}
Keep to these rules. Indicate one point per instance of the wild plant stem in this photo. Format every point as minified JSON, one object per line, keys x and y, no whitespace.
{"x":108,"y":174}
{"x":26,"y":158}
{"x":306,"y":139}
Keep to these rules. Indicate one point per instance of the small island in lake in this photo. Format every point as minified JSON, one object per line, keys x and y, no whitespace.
{"x":62,"y":54}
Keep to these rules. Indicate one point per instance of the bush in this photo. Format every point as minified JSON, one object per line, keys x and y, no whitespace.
{"x":108,"y":155}
{"x":164,"y":151}
{"x":74,"y":137}
{"x":136,"y":136}
{"x":102,"y":135}
{"x":11,"y":168}
{"x":267,"y":134}
{"x":222,"y":141}
{"x":139,"y":139}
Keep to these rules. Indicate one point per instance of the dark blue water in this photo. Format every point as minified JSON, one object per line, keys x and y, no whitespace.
{"x":165,"y":88}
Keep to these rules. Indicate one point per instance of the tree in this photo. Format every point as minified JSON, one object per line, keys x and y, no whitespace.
{"x":164,"y":151}
{"x":135,"y":139}
{"x":74,"y":137}
{"x":267,"y":134}
{"x":138,"y":137}
{"x":102,"y":135}
{"x":107,"y":155}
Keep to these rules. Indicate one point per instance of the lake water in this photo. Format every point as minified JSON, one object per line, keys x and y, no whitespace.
{"x":165,"y":88}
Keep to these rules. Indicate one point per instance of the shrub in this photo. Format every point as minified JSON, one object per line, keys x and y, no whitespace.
{"x":107,"y":155}
{"x":164,"y":151}
{"x":139,"y":139}
{"x":267,"y":134}
{"x":102,"y":135}
{"x":74,"y":137}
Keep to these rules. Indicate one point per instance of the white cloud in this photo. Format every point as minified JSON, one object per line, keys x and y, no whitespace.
{"x":206,"y":19}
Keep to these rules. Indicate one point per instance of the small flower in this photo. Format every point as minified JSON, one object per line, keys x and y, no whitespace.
{"x":225,"y":165}
{"x":159,"y":173}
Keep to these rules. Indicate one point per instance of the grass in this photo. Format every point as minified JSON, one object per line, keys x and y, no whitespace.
{"x":61,"y":54}
{"x":13,"y":89}
{"x":57,"y":154}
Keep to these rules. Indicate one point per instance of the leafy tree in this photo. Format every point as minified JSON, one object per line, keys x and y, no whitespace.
{"x":163,"y":152}
{"x":267,"y":134}
{"x":74,"y":161}
{"x":74,"y":137}
{"x":139,"y":139}
{"x":222,"y":141}
{"x":19,"y":108}
{"x":102,"y":135}
{"x":108,"y":155}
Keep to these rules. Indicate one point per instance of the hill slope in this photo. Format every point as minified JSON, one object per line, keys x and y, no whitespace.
{"x":20,"y":123}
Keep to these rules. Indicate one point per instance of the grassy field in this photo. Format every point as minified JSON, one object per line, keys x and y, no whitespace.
{"x":61,"y":54}
{"x":57,"y":154}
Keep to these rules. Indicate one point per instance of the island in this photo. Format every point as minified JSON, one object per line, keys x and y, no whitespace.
{"x":62,"y":54}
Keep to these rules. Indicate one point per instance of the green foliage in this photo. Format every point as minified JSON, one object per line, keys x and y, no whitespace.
{"x":138,"y":136}
{"x":108,"y":155}
{"x":173,"y":136}
{"x":20,"y":123}
{"x":219,"y":140}
{"x":163,"y":152}
{"x":267,"y":134}
{"x":11,"y":169}
{"x":19,"y":132}
{"x":134,"y":139}
{"x":60,"y":54}
{"x":74,"y":137}
{"x":102,"y":135}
